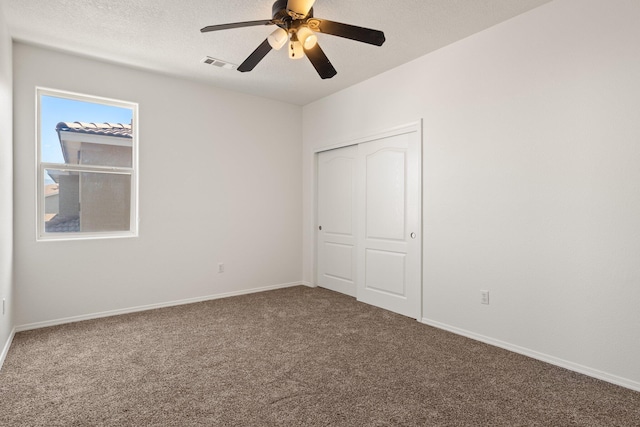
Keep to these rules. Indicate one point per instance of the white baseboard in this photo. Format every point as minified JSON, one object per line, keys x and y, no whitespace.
{"x":47,"y":323}
{"x":308,"y":284}
{"x":604,"y":376}
{"x":5,"y":349}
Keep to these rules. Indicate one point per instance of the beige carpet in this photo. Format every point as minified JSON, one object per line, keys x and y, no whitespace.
{"x":295,"y":357}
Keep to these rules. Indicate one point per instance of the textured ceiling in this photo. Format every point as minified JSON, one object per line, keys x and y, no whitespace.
{"x":163,"y":35}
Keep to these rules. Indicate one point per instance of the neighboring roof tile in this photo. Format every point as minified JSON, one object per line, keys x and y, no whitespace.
{"x":62,"y":224}
{"x":106,"y":129}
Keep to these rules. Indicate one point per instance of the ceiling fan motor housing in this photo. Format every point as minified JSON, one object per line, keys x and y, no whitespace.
{"x":279,"y":13}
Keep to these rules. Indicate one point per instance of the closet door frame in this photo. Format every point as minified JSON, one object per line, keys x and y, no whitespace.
{"x":373,"y":136}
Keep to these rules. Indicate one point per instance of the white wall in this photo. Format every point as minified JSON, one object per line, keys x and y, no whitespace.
{"x":219,"y":182}
{"x":531,"y":180}
{"x":6,"y":188}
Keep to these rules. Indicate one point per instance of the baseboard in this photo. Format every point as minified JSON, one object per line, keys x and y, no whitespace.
{"x":308,"y":284}
{"x":109,"y":313}
{"x":604,"y":376}
{"x":7,"y":345}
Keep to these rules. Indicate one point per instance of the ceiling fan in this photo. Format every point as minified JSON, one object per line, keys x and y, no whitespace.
{"x":297,"y":27}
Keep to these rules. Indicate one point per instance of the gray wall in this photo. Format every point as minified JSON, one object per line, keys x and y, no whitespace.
{"x":6,"y":187}
{"x":69,"y":192}
{"x":105,"y":199}
{"x":216,"y":185}
{"x":531,"y":180}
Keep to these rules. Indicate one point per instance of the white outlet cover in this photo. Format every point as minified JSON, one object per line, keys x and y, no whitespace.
{"x":484,"y":295}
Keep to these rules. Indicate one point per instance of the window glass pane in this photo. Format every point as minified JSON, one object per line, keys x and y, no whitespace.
{"x":86,"y":201}
{"x":82,"y":132}
{"x":88,"y":150}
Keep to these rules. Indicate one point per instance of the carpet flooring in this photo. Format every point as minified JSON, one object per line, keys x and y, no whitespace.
{"x":291,"y":357}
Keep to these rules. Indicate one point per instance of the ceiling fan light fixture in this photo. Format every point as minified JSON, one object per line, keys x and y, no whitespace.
{"x":295,"y":50}
{"x":278,"y":38}
{"x":307,"y":37}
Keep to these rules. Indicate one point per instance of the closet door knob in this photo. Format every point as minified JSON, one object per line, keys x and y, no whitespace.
{"x":413,"y":235}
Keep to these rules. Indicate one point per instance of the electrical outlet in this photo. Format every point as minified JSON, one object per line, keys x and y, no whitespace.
{"x":220,"y":267}
{"x":484,"y":297}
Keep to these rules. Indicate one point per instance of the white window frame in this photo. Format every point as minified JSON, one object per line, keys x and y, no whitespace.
{"x":41,"y":234}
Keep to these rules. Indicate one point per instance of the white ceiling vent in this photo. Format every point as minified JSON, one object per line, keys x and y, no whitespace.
{"x":219,"y":63}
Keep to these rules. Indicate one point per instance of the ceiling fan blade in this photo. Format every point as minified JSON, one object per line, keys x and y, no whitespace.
{"x":236,"y":25}
{"x":300,"y":8}
{"x":257,"y":55}
{"x":361,"y":34}
{"x":320,"y":62}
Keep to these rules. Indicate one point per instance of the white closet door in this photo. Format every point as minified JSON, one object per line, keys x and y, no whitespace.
{"x":336,"y":267}
{"x":389,"y":223}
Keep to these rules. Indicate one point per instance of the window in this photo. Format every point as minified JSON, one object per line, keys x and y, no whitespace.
{"x":87,"y":164}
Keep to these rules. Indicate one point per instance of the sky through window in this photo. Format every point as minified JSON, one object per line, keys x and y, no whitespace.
{"x":54,"y":110}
